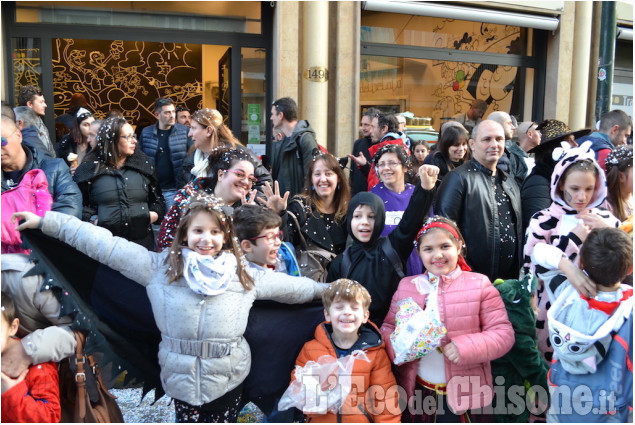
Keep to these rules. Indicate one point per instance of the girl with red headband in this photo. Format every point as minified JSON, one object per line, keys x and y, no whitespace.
{"x":456,"y":375}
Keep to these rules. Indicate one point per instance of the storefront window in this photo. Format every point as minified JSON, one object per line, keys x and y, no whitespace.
{"x":435,"y":89}
{"x":228,"y":16}
{"x":254,"y":111}
{"x":27,"y":64}
{"x":126,"y":75}
{"x":424,"y":31}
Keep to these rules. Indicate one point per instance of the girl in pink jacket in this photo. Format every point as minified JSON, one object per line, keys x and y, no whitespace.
{"x":456,"y":376}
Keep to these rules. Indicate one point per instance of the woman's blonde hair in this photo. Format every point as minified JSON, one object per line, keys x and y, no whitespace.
{"x":203,"y":202}
{"x":221,"y":134}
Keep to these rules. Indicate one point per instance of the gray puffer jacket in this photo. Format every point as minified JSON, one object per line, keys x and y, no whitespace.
{"x":46,"y":336}
{"x":202,"y":354}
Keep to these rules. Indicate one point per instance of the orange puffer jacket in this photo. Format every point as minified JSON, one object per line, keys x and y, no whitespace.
{"x":374,"y":396}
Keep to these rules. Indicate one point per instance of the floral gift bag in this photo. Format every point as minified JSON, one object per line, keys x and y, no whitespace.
{"x":417,"y":331}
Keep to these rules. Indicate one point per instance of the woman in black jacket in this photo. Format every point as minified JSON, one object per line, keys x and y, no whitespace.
{"x":451,"y":149}
{"x":76,"y":142}
{"x":119,"y":185}
{"x":319,"y":213}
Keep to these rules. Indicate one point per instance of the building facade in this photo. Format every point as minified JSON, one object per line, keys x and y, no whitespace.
{"x":536,"y":61}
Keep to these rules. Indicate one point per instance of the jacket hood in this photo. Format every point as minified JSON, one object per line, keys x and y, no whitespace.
{"x":392,"y":136}
{"x":27,"y":115}
{"x":376,"y":204}
{"x":581,"y":330}
{"x":302,"y":127}
{"x":567,"y":157}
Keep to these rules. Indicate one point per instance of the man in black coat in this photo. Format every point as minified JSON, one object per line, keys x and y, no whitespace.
{"x":485,"y":203}
{"x":358,"y":181}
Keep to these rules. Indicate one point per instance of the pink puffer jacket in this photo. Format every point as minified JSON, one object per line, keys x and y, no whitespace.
{"x":474,"y":314}
{"x":32,"y":195}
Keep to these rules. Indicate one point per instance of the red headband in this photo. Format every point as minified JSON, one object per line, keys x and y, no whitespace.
{"x":441,"y":225}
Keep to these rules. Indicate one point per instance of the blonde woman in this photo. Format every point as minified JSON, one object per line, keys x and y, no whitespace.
{"x":207,"y":131}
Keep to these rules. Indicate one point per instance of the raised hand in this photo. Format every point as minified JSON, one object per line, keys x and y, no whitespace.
{"x":428,"y":175}
{"x":249,"y":198}
{"x":274,"y":201}
{"x":359,"y":160}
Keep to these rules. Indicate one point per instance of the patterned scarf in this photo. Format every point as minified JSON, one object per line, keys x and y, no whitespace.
{"x":206,"y":275}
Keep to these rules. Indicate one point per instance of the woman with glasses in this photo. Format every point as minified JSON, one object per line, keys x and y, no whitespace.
{"x":231,"y":179}
{"x":207,"y":131}
{"x":391,"y":163}
{"x":74,"y":146}
{"x":451,"y":149}
{"x":119,"y":186}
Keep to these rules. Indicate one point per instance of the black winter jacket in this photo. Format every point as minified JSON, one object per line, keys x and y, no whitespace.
{"x":467,"y":196}
{"x":369,"y":265}
{"x":122,"y":199}
{"x":67,"y":198}
{"x":535,"y":193}
{"x":359,"y":179}
{"x":314,"y":227}
{"x":292,"y":156}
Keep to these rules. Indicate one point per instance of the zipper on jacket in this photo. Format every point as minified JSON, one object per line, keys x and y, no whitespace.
{"x":203,"y":304}
{"x":495,"y":222}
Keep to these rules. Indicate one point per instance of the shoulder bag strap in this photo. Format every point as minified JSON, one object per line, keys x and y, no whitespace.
{"x":393,"y":257}
{"x":303,"y":244}
{"x":345,"y":265}
{"x":80,"y":374}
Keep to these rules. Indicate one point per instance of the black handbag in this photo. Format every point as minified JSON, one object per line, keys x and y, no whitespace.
{"x":313,"y":261}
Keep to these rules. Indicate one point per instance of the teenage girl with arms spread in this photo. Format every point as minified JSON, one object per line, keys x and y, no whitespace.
{"x":478,"y":330}
{"x":578,"y":188}
{"x":201,"y":291}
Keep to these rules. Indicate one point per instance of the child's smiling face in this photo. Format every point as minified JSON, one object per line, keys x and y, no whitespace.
{"x":263,"y":249}
{"x":439,"y":252}
{"x":204,"y":235}
{"x":363,"y":223}
{"x":346,"y":317}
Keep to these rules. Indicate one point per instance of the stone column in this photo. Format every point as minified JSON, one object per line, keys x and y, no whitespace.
{"x":314,"y":100}
{"x":580,"y":66}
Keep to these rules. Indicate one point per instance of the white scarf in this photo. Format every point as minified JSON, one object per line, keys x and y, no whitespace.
{"x":200,"y":163}
{"x":206,"y":275}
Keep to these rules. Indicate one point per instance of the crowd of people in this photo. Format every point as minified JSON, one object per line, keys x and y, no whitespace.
{"x":486,"y":277}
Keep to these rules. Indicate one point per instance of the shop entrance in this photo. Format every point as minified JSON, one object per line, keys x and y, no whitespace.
{"x":127,"y":68}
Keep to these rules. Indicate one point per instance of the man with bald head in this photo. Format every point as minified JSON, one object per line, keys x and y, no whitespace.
{"x":513,"y":160}
{"x":485,"y":203}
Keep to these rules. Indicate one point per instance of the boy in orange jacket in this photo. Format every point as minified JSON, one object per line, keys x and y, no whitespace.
{"x":373,"y":396}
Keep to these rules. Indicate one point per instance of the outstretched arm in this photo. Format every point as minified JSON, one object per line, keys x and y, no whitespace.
{"x":128,"y":258}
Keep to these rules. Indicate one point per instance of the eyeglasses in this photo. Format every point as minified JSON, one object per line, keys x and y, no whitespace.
{"x":242,"y":176}
{"x":389,"y":164}
{"x":531,"y":127}
{"x":5,"y":140}
{"x":129,"y":137}
{"x":270,"y":237}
